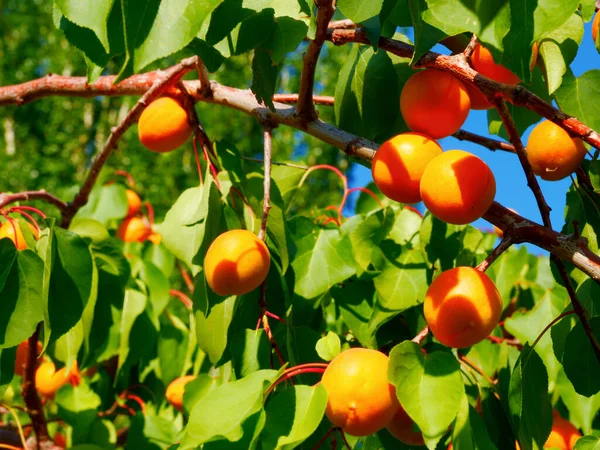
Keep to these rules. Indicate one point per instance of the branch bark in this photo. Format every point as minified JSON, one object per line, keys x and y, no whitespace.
{"x":29,"y":392}
{"x":7,"y":199}
{"x":262,"y":234}
{"x":491,"y":144}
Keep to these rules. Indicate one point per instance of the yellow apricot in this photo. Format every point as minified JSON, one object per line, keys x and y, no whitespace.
{"x":12,"y":230}
{"x":434,"y":103}
{"x":402,"y":428}
{"x":48,"y":380}
{"x":175,"y":390}
{"x":552,"y":153}
{"x":134,"y":229}
{"x":462,"y":306}
{"x":236,"y":263}
{"x":163,"y":125}
{"x":563,"y":435}
{"x":399,"y":163}
{"x":458,"y":187}
{"x":361,"y":401}
{"x":133,"y":203}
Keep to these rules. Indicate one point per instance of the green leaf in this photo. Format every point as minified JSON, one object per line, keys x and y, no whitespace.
{"x":285,"y":37}
{"x":106,"y":203}
{"x":509,"y":268}
{"x":292,"y":416}
{"x":251,"y":351}
{"x":323,"y":258}
{"x":78,"y":406}
{"x":158,"y":287}
{"x":329,"y":347}
{"x":151,"y":432}
{"x":359,"y":11}
{"x":264,"y":77}
{"x":469,"y":431}
{"x":223,"y":412}
{"x":580,"y":361}
{"x":429,"y":387}
{"x":91,"y":15}
{"x":426,"y":36}
{"x":212,"y":329}
{"x":582,"y":410}
{"x":7,"y":368}
{"x":210,"y":56}
{"x":588,"y":443}
{"x":572,"y":97}
{"x":172,"y":348}
{"x":367,"y":95}
{"x":22,"y":305}
{"x":528,"y":400}
{"x":133,"y":306}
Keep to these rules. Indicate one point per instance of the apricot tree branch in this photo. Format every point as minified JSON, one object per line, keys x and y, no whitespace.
{"x":7,"y":199}
{"x":468,"y":51}
{"x":489,"y":143}
{"x":170,"y":77}
{"x":29,"y":391}
{"x":293,"y":98}
{"x":420,"y":337}
{"x":267,"y":133}
{"x":204,"y":80}
{"x":345,"y":24}
{"x":305,"y":108}
{"x":504,"y":245}
{"x":457,"y":66}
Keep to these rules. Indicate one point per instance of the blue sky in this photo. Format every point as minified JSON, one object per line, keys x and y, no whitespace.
{"x":512,"y":190}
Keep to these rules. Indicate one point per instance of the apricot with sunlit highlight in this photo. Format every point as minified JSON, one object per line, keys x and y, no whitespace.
{"x":236,"y":263}
{"x":434,"y":103}
{"x":133,"y":203}
{"x":361,"y":401}
{"x":462,"y":307}
{"x":12,"y":230}
{"x":48,"y":380}
{"x":134,"y":229}
{"x":175,"y":391}
{"x":458,"y":187}
{"x":564,"y":435}
{"x":399,"y":163}
{"x":163,"y":125}
{"x":483,"y":62}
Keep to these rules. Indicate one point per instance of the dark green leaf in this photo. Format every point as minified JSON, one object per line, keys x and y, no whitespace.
{"x":264,"y":77}
{"x":251,"y":351}
{"x":579,"y":360}
{"x":572,"y":97}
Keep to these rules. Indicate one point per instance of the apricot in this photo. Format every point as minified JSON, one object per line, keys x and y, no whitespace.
{"x":402,"y":428}
{"x":175,"y":390}
{"x":134,"y":229}
{"x":462,"y":307}
{"x":552,"y":153}
{"x":399,"y":164}
{"x":360,"y":398}
{"x":12,"y":230}
{"x":48,"y":380}
{"x":434,"y":103}
{"x":236,"y":263}
{"x":21,"y":356}
{"x":563,"y":435}
{"x":478,"y":100}
{"x":133,"y":203}
{"x":483,"y":62}
{"x":155,"y":238}
{"x":458,"y":187}
{"x":595,"y":27}
{"x":164,"y":126}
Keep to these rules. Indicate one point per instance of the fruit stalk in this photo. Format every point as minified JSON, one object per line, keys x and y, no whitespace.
{"x":504,"y":245}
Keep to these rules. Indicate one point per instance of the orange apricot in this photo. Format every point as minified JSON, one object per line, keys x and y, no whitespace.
{"x":462,"y":307}
{"x":595,"y":27}
{"x":21,"y":356}
{"x":458,"y":187}
{"x":535,"y":51}
{"x":434,"y":103}
{"x":12,"y":230}
{"x":552,"y":153}
{"x":155,"y":238}
{"x":483,"y":62}
{"x":48,"y":380}
{"x":563,"y":435}
{"x":399,"y":164}
{"x":402,"y":428}
{"x":175,"y":390}
{"x":361,"y":401}
{"x":164,"y":126}
{"x":478,"y":100}
{"x":236,"y":263}
{"x":133,"y":203}
{"x":134,"y":229}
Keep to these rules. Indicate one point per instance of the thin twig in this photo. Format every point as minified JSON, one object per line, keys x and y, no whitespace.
{"x":504,"y":245}
{"x":305,"y":107}
{"x":324,"y":438}
{"x":550,"y":325}
{"x":293,"y":98}
{"x":345,"y":24}
{"x":462,"y":358}
{"x":491,"y":144}
{"x":7,"y":199}
{"x":468,"y":51}
{"x":267,"y":133}
{"x":275,"y":163}
{"x":171,"y":76}
{"x":419,"y":338}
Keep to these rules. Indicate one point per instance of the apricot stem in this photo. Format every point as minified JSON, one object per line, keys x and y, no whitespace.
{"x":504,"y":245}
{"x":344,"y":439}
{"x":420,"y":337}
{"x":198,"y":167}
{"x":127,"y":175}
{"x":186,"y":276}
{"x":324,"y":438}
{"x":181,"y":296}
{"x":468,"y":363}
{"x":294,"y":371}
{"x":29,"y":218}
{"x":29,"y":208}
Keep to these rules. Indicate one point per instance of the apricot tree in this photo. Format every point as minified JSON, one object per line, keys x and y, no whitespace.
{"x":239,"y":321}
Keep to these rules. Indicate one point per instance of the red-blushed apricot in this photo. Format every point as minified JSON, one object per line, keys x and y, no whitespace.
{"x":133,"y":203}
{"x":21,"y":356}
{"x":175,"y":390}
{"x":462,"y":307}
{"x":134,"y":229}
{"x":478,"y":100}
{"x":552,"y":153}
{"x":563,"y":435}
{"x":458,"y":187}
{"x":402,"y":428}
{"x":399,"y":164}
{"x":483,"y":62}
{"x":48,"y":380}
{"x":361,"y":401}
{"x":236,"y":263}
{"x":434,"y":103}
{"x":164,"y":126}
{"x":595,"y":27}
{"x":12,"y":230}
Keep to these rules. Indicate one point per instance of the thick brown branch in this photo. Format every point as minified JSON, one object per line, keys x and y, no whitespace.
{"x":7,"y":199}
{"x":267,"y":184}
{"x":532,"y":182}
{"x":29,"y":392}
{"x":457,"y":66}
{"x":169,"y":78}
{"x":204,"y":79}
{"x":491,"y":144}
{"x":305,"y":108}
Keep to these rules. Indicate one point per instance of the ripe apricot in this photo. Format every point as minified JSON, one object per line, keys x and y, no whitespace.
{"x":21,"y":356}
{"x":236,"y":263}
{"x":133,"y":203}
{"x":402,"y":428}
{"x":563,"y":435}
{"x":483,"y":62}
{"x":175,"y":390}
{"x":478,"y":100}
{"x":155,"y":238}
{"x":164,"y":126}
{"x":595,"y":27}
{"x":552,"y":153}
{"x":434,"y":103}
{"x":134,"y":229}
{"x":12,"y":230}
{"x":458,"y":187}
{"x":48,"y":380}
{"x":462,"y":306}
{"x":399,"y":164}
{"x":360,"y":398}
